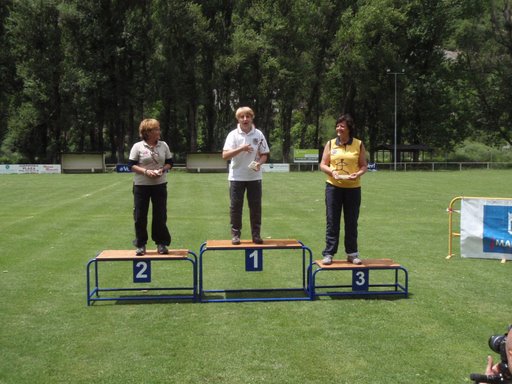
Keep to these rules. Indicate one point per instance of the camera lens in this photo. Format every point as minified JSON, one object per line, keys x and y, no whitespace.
{"x":496,"y":341}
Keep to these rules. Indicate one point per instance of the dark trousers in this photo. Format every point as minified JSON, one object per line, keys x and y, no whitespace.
{"x":142,"y":195}
{"x":338,"y":200}
{"x":236,"y":193}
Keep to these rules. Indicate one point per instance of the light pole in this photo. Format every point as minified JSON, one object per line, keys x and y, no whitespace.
{"x":394,"y":146}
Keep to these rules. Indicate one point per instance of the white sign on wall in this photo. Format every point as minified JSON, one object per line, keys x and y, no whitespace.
{"x":275,"y":167}
{"x":29,"y":168}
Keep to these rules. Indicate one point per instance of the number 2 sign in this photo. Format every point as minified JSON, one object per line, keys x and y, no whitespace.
{"x":142,"y":271}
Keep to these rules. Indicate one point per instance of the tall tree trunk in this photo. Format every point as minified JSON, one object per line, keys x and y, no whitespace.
{"x":286,"y":122}
{"x":192,"y":125}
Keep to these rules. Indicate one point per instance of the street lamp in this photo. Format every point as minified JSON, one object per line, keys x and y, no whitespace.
{"x":395,"y":74}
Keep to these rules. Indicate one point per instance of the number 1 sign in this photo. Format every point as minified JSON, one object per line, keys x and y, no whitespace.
{"x":253,"y":260}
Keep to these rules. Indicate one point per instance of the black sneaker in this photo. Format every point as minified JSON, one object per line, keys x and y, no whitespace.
{"x":257,"y":240}
{"x":235,"y":240}
{"x":162,"y":249}
{"x":140,"y":251}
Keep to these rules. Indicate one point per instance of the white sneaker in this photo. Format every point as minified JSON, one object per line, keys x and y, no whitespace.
{"x":354,"y":259}
{"x":327,"y":260}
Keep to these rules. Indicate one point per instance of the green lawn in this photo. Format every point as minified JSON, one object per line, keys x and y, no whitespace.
{"x":52,"y":225}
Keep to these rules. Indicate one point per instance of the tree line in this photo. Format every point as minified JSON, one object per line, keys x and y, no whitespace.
{"x":79,"y":75}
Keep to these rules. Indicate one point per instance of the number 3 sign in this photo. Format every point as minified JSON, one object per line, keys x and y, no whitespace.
{"x":360,"y":279}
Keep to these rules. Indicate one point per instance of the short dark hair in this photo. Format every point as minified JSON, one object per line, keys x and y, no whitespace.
{"x":350,"y":123}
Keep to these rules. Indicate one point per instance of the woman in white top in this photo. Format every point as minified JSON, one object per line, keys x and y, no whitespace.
{"x":150,"y":159}
{"x":247,"y":149}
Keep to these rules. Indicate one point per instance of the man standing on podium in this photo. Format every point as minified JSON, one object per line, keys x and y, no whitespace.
{"x":247,"y":149}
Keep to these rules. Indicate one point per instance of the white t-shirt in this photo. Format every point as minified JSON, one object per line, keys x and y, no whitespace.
{"x":239,"y":167}
{"x":150,"y":158}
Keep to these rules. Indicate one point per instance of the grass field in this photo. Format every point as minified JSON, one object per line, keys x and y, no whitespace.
{"x":51,"y":225}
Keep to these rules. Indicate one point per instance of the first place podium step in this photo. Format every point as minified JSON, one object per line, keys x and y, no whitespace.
{"x":214,"y":255}
{"x":142,"y":270}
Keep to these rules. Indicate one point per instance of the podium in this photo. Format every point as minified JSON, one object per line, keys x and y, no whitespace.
{"x":374,"y":277}
{"x":142,"y":272}
{"x":254,"y":263}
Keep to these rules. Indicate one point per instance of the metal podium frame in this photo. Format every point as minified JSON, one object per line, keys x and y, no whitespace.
{"x":271,"y":244}
{"x":93,"y":291}
{"x":393,"y":288}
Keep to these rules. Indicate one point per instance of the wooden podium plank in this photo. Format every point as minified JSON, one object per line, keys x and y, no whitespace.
{"x":244,"y":244}
{"x":121,"y":254}
{"x":367,"y":263}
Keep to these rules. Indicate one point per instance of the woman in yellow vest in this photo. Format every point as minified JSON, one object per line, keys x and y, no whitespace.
{"x":344,"y":162}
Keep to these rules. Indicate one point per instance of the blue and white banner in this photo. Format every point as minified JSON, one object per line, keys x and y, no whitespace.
{"x":486,"y":228}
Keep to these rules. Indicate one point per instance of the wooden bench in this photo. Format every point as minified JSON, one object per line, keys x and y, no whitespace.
{"x":360,"y":283}
{"x":253,"y":259}
{"x":141,"y":274}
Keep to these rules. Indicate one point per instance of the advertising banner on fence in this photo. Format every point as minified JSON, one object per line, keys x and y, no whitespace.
{"x":486,"y":228}
{"x":305,"y":155}
{"x":273,"y":167}
{"x":29,"y":168}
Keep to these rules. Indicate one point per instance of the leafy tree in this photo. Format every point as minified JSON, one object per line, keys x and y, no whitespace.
{"x":383,"y":37}
{"x":180,"y":34}
{"x":216,"y":73}
{"x":79,"y":75}
{"x":7,"y":69}
{"x":107,"y":58}
{"x":35,"y":124}
{"x":428,"y":100}
{"x":270,"y":44}
{"x":367,"y":43}
{"x":485,"y":60}
{"x":252,"y":67}
{"x":324,"y":23}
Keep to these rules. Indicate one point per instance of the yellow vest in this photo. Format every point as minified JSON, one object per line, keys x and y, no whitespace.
{"x":345,"y":160}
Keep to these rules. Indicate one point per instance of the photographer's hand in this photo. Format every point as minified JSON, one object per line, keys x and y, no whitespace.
{"x":490,"y":369}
